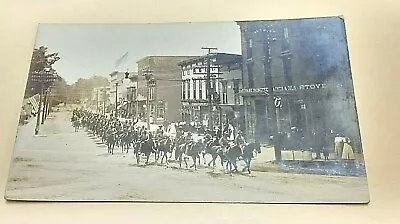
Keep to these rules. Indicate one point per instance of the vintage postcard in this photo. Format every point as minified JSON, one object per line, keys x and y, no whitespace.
{"x":238,"y":112}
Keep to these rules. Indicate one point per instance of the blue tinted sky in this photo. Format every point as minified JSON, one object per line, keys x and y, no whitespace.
{"x":87,"y":50}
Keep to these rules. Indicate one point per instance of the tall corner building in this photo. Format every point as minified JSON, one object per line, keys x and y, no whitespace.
{"x":307,"y":62}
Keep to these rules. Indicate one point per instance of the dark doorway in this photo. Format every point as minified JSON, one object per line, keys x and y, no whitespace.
{"x":261,"y":132}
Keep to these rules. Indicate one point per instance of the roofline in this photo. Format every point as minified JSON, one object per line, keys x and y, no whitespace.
{"x":204,"y":56}
{"x":166,"y":56}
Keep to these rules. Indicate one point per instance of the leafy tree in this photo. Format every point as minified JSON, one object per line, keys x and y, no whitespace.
{"x":83,"y":88}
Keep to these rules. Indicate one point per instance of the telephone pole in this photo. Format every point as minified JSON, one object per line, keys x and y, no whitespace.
{"x":39,"y":109}
{"x":97,"y":100}
{"x":148,"y":77}
{"x":116,"y":99}
{"x":271,"y":108}
{"x":208,"y":88}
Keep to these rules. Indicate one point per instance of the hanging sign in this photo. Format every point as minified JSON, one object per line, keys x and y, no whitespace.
{"x":278,"y":102}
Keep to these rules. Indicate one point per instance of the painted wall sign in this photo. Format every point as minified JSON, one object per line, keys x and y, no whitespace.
{"x":286,"y":88}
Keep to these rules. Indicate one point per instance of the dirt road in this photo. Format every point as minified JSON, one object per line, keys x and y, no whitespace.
{"x":63,"y":165}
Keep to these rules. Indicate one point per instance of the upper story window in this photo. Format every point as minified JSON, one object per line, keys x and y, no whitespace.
{"x":250,"y":76}
{"x":249,"y":48}
{"x":286,"y":33}
{"x":194,"y":89}
{"x":184,"y":89}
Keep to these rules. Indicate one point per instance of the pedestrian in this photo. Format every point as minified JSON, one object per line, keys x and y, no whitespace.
{"x":339,"y":143}
{"x":348,"y":152}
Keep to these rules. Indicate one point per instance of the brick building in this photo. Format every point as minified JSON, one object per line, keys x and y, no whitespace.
{"x":308,"y":66}
{"x":165,"y":95}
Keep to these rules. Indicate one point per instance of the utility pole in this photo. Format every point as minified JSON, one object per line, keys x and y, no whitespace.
{"x":44,"y":107}
{"x":49,"y":103}
{"x":104,"y":100}
{"x":208,"y":88}
{"x":116,"y":99}
{"x":97,"y":100}
{"x":148,"y":77}
{"x":39,"y":109}
{"x":155,"y":100}
{"x":271,"y":103}
{"x":148,"y":105}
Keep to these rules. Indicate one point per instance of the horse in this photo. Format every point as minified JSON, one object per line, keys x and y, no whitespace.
{"x":111,"y":139}
{"x":76,"y":124}
{"x":146,"y":147}
{"x":165,"y":147}
{"x":246,"y":152}
{"x":180,"y":150}
{"x":126,"y":140}
{"x":193,"y":150}
{"x":215,"y":151}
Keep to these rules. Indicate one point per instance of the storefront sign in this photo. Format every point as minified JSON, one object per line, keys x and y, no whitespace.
{"x":286,"y":88}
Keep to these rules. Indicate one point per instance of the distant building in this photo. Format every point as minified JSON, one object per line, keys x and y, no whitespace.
{"x":165,"y":95}
{"x":311,"y":80}
{"x":100,"y":99}
{"x":123,"y":87}
{"x":225,"y":73}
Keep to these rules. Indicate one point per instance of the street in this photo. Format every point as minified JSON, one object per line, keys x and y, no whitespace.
{"x":60,"y":164}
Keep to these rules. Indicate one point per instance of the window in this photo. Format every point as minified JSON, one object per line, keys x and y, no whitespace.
{"x":236,"y":83}
{"x":184,"y":89}
{"x":286,"y":32}
{"x":200,"y":89}
{"x":224,"y":92}
{"x":249,"y":48}
{"x":194,"y":88}
{"x":188,"y":88}
{"x":250,"y":76}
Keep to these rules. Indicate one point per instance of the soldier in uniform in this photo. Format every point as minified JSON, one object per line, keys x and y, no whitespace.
{"x":160,"y":131}
{"x":239,"y":139}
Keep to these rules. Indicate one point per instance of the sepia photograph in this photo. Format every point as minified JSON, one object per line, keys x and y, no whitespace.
{"x":259,"y":111}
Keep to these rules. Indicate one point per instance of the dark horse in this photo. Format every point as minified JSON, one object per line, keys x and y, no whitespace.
{"x":165,"y":146}
{"x":214,"y":151}
{"x":126,"y":141}
{"x":111,"y":139}
{"x":146,"y":147}
{"x":76,"y":124}
{"x":193,"y":150}
{"x":246,"y":152}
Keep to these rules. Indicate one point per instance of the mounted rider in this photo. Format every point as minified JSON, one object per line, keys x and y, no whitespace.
{"x":239,"y":139}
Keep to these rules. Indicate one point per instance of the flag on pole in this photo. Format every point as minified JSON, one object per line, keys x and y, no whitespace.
{"x":121,"y":59}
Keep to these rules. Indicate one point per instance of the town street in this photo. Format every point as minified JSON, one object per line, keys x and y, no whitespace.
{"x":60,"y":164}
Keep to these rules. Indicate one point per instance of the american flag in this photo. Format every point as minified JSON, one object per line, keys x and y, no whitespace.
{"x":121,"y":59}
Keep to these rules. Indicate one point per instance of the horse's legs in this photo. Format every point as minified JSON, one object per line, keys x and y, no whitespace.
{"x":234,"y":164}
{"x":162,"y":157}
{"x":198,"y":157}
{"x":222,"y":160}
{"x":137,"y":157}
{"x":185,"y":159}
{"x":194,"y":161}
{"x":204,"y":158}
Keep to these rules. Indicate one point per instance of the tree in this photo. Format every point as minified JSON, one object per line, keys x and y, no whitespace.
{"x":83,"y":88}
{"x":60,"y":91}
{"x":41,"y":70}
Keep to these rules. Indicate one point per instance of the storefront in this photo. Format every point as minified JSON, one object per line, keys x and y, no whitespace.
{"x":299,"y":110}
